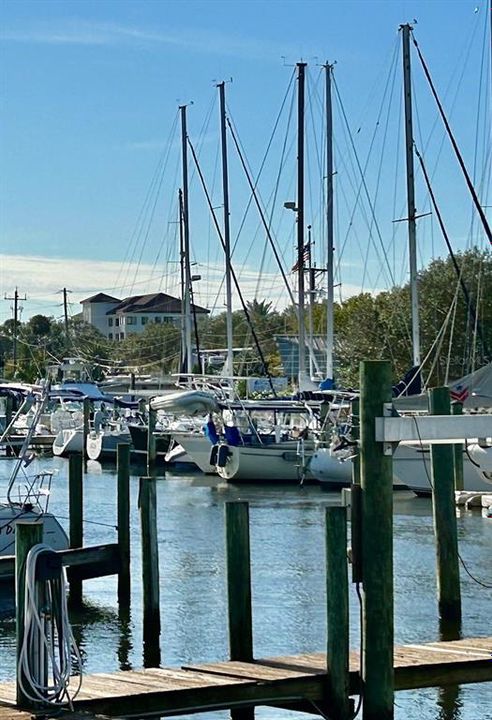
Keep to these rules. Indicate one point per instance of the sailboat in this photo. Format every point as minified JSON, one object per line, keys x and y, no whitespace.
{"x":28,"y":497}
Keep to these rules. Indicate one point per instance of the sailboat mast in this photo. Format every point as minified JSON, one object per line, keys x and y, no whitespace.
{"x":182,"y":280}
{"x":330,"y":299}
{"x":412,"y":230}
{"x":227,"y":236}
{"x":301,"y":66}
{"x":186,"y":243}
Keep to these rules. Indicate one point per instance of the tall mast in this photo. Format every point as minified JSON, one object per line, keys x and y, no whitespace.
{"x":227,"y":236}
{"x":186,"y":243}
{"x":412,"y":233}
{"x":301,"y":66}
{"x":329,"y":226}
{"x":182,"y":280}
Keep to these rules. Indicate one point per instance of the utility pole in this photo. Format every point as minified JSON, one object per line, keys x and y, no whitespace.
{"x":411,"y":212}
{"x":16,"y":299}
{"x":65,"y":313}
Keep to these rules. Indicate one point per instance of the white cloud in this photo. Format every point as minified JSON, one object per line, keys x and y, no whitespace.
{"x":42,"y":278}
{"x":209,"y":41}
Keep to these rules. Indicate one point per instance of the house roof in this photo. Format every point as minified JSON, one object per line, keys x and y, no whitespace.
{"x":152,"y":303}
{"x":100,"y":298}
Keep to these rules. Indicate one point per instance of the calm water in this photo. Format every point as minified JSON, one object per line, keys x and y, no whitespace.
{"x":287,"y":546}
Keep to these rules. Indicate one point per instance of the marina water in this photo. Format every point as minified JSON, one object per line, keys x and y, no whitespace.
{"x":288,"y":580}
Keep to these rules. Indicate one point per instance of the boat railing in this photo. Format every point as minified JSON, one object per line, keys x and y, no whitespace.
{"x":35,"y":491}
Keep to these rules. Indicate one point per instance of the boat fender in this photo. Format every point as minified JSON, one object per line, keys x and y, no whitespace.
{"x":213,"y":455}
{"x":223,"y":454}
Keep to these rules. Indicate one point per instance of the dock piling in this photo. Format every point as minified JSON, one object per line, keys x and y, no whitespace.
{"x":151,"y":443}
{"x":123,"y":470}
{"x":76,"y":514}
{"x":239,"y":590}
{"x":28,"y":533}
{"x":377,"y":545}
{"x":150,"y":572}
{"x":459,"y":484}
{"x":444,"y":514}
{"x":337,"y":613}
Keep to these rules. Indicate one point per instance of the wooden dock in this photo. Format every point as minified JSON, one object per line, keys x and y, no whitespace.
{"x":292,"y":682}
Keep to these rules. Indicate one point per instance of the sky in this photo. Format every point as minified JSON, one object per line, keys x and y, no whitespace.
{"x":90,"y":145}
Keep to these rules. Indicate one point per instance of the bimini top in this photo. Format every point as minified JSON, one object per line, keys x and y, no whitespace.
{"x":186,"y":402}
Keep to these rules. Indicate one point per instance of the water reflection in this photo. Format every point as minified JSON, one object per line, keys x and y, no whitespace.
{"x":288,"y":581}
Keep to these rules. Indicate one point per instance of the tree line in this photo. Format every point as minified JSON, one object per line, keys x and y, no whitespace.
{"x":456,"y":334}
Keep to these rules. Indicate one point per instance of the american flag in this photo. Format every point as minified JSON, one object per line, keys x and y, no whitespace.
{"x":459,"y":393}
{"x":305,"y":256}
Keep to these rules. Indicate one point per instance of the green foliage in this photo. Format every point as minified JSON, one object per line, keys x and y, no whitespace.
{"x":366,"y":326}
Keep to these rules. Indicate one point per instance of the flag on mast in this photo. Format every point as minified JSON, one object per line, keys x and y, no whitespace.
{"x":305,"y":258}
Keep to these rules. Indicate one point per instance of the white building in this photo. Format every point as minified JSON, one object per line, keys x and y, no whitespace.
{"x":116,"y":319}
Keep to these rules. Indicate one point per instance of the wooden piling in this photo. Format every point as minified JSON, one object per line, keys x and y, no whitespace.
{"x":151,"y":444}
{"x":239,"y":581}
{"x":377,"y":545}
{"x":444,"y":515}
{"x":27,"y":534}
{"x":337,"y":613}
{"x":459,"y":483}
{"x":76,"y":517}
{"x":86,"y":424}
{"x":150,"y":571}
{"x":239,"y":590}
{"x":123,"y":469}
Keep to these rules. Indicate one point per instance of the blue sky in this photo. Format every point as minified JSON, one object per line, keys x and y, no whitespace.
{"x":89,"y":95}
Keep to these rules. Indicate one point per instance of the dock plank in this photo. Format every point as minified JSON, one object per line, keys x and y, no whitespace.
{"x":282,"y":681}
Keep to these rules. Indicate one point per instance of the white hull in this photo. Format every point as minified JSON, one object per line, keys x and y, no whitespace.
{"x":278,"y":462}
{"x":53,"y":533}
{"x":68,"y":441}
{"x":105,"y":443}
{"x":198,"y":447}
{"x":412,"y":467}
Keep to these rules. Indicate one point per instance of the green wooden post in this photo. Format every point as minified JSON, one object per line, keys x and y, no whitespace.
{"x":337,"y":613}
{"x":355,"y":412}
{"x":459,"y":484}
{"x":239,"y":581}
{"x":76,"y":517}
{"x":27,"y":534}
{"x":123,"y":466}
{"x":444,"y":514}
{"x":151,"y":444}
{"x":239,"y":590}
{"x":150,"y":571}
{"x":86,"y":423}
{"x":377,"y":545}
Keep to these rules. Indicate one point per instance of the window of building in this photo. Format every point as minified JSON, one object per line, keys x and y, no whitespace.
{"x":130,"y":320}
{"x":122,"y":336}
{"x":110,"y":322}
{"x":157,"y":318}
{"x":110,"y":336}
{"x":144,"y":320}
{"x":117,"y":322}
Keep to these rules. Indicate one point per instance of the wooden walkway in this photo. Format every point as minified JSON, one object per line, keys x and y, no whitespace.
{"x":296,"y":681}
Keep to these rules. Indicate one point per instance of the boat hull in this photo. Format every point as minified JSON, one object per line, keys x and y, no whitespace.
{"x":68,"y":441}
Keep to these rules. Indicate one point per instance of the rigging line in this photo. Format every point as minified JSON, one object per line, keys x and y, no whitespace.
{"x":451,"y":334}
{"x":391,"y":82}
{"x":459,"y":157}
{"x":161,"y":165}
{"x":262,"y":215}
{"x":233,"y":273}
{"x":459,"y":271}
{"x":363,"y":183}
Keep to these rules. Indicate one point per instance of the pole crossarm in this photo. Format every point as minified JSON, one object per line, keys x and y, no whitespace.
{"x":433,"y":428}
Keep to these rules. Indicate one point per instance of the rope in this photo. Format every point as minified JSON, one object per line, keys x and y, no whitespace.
{"x":48,"y":641}
{"x":459,"y":157}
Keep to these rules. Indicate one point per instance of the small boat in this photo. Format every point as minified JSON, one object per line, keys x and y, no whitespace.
{"x":68,"y":441}
{"x":104,"y":443}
